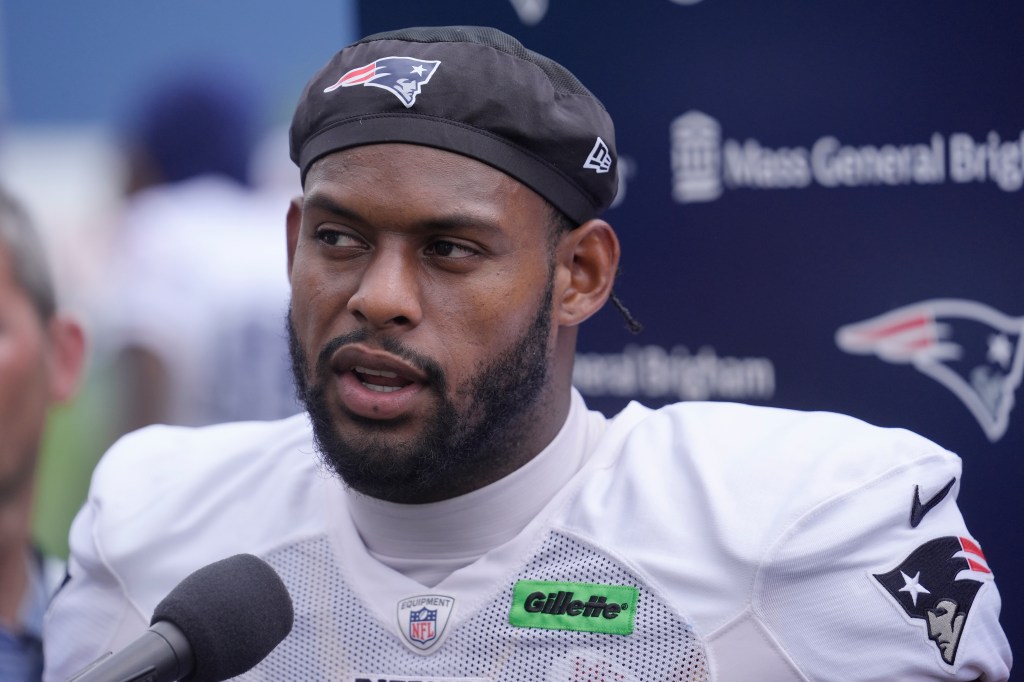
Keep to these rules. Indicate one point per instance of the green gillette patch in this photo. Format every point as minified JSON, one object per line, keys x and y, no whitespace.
{"x":581,"y":607}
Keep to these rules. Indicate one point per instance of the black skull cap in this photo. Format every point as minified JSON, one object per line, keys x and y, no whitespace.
{"x":470,"y":90}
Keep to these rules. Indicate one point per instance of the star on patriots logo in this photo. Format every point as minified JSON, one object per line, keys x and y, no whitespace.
{"x":913,"y":586}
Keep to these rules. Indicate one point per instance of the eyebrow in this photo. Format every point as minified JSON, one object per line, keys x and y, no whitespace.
{"x":441,"y":223}
{"x":324,"y":203}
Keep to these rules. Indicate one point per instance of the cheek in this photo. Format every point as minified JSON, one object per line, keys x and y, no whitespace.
{"x":318,"y":297}
{"x":490,"y":314}
{"x":23,"y":394}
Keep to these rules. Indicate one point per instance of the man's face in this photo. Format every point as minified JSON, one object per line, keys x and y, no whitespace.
{"x":945,"y":625}
{"x":421,"y":320}
{"x":24,"y":384}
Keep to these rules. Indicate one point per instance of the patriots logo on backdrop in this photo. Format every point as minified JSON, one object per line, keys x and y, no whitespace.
{"x":404,"y":77}
{"x":936,"y":585}
{"x":973,"y":350}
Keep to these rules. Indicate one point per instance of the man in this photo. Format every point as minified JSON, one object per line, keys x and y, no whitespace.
{"x":41,"y":354}
{"x":487,"y":526}
{"x":191,"y":323}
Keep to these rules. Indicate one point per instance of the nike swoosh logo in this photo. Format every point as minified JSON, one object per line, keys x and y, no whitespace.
{"x":918,"y":510}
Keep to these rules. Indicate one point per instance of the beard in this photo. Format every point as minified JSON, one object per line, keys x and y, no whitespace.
{"x":458,"y":449}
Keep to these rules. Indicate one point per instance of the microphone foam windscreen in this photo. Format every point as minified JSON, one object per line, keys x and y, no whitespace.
{"x":233,"y":612}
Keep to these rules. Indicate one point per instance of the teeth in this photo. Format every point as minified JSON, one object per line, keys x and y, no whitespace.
{"x":376,"y":372}
{"x":381,"y":389}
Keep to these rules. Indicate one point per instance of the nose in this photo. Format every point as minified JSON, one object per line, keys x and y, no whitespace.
{"x":388,"y":295}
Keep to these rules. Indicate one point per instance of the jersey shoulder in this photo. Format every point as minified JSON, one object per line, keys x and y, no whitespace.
{"x":166,"y":500}
{"x":780,"y":453}
{"x":745,"y":484}
{"x":197,"y":462}
{"x":790,"y":530}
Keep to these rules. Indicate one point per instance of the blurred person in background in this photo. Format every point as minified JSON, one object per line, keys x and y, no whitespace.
{"x":41,"y":358}
{"x":198,"y":287}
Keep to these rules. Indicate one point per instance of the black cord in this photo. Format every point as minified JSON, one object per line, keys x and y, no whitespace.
{"x":632,"y":324}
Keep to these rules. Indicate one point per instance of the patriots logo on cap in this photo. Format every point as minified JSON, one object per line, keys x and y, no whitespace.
{"x":937,"y":584}
{"x":971,"y":349}
{"x":404,"y":77}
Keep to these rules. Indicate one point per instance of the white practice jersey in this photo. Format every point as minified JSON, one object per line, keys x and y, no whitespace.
{"x":701,"y":541}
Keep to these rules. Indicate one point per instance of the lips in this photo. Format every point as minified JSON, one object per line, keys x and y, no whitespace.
{"x":375,"y":384}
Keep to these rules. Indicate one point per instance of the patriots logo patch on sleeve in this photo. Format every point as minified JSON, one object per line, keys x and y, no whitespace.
{"x":937,"y":584}
{"x":404,"y":77}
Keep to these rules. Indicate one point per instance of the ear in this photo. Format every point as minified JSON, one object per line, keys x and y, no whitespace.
{"x":588,"y":258}
{"x":67,"y":348}
{"x":294,"y":223}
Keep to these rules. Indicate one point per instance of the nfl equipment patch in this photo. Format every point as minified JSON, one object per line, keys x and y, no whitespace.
{"x":422,"y":621}
{"x":936,"y":586}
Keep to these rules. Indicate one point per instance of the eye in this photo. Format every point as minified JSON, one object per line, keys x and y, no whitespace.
{"x":447,"y":249}
{"x":332,"y":236}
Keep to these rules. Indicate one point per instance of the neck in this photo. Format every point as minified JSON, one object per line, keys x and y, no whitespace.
{"x":427,"y":542}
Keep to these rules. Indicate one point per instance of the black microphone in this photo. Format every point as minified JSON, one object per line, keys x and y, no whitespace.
{"x":215,"y":624}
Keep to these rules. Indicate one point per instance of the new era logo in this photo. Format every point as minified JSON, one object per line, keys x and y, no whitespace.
{"x":600,"y":158}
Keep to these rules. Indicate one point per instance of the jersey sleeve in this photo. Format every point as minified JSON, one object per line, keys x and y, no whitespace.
{"x":114,"y":566}
{"x":884,"y":581}
{"x":91,"y":614}
{"x":814,"y":547}
{"x":163,"y":502}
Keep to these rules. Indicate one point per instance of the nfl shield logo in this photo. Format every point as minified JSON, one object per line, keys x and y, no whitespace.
{"x":421,"y":625}
{"x":423,"y":620}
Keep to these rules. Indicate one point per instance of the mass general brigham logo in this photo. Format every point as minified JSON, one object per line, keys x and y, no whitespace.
{"x":705,"y":163}
{"x":970,"y":348}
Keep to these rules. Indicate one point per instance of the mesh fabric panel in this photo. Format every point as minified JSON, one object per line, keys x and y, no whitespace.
{"x":335,"y":636}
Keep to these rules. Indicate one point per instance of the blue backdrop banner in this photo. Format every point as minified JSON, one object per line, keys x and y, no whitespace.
{"x":820,"y":206}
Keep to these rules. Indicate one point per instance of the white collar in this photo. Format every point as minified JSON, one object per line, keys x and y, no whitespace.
{"x":427,"y":542}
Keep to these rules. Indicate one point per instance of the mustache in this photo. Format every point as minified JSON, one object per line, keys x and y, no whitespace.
{"x":430,"y":368}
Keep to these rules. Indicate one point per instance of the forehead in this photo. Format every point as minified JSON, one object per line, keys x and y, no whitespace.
{"x":420,"y":178}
